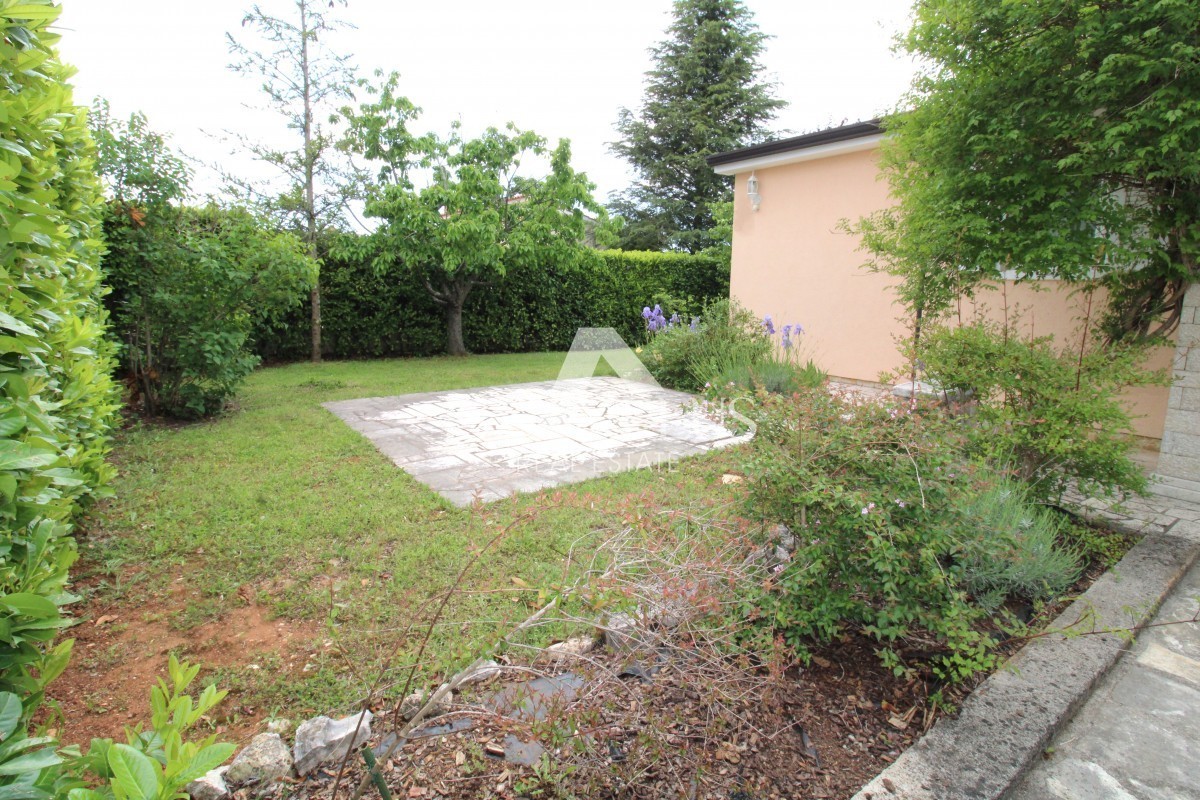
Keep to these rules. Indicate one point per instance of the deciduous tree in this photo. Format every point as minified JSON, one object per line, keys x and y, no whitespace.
{"x":302,"y":80}
{"x":477,"y":215}
{"x":1053,"y":139}
{"x":704,"y":96}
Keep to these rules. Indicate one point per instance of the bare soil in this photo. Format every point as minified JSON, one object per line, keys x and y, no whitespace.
{"x":121,"y":649}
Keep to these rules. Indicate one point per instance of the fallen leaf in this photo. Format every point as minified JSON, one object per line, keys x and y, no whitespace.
{"x":729,"y":478}
{"x":899,"y":723}
{"x":107,"y":618}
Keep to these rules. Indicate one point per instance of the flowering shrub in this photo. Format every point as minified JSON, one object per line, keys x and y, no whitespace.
{"x":871,"y":490}
{"x":725,"y":352}
{"x":687,"y":356}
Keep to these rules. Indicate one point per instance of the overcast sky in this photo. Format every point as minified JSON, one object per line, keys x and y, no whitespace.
{"x":559,"y":67}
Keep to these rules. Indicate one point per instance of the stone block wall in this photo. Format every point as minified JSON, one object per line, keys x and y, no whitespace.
{"x":1179,"y":461}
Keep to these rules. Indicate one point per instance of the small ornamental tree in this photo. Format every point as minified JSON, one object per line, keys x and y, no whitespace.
{"x":303,"y":80}
{"x":478,"y":216}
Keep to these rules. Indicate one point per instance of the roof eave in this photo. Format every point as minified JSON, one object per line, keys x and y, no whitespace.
{"x":797,"y":156}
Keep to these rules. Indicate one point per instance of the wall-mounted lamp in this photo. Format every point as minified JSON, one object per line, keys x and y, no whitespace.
{"x":752,"y":192}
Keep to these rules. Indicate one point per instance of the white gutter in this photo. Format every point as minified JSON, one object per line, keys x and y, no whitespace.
{"x":797,"y":156}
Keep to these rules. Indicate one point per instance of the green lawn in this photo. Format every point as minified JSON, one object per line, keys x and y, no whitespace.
{"x":279,"y":503}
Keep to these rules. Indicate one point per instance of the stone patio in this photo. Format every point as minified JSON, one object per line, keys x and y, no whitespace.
{"x":491,"y":442}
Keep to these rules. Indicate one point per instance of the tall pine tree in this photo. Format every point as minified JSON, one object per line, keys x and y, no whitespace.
{"x":704,"y":96}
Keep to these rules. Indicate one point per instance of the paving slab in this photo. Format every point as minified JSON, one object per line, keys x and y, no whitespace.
{"x":1138,"y":735}
{"x":488,"y":443}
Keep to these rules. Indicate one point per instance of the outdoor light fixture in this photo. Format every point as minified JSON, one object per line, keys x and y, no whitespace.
{"x":752,"y":192}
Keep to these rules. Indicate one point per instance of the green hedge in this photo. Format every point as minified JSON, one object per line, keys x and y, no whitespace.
{"x":370,"y":315}
{"x":56,"y":396}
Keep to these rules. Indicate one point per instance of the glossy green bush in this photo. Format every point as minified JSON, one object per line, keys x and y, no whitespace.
{"x":539,"y":308}
{"x":56,"y":396}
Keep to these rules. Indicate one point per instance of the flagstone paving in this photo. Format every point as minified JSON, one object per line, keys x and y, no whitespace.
{"x":489,"y":443}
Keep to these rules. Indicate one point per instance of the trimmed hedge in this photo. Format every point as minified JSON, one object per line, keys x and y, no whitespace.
{"x":370,"y":315}
{"x":57,"y":399}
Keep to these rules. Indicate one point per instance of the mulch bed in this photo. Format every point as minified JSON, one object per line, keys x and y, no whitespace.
{"x":820,"y":731}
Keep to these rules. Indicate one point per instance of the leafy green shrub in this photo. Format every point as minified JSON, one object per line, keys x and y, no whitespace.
{"x":1056,"y":415}
{"x":187,"y":284}
{"x":372,"y":314}
{"x":187,"y":287}
{"x":57,"y":399}
{"x":1012,"y":548}
{"x":153,"y":765}
{"x":869,"y":489}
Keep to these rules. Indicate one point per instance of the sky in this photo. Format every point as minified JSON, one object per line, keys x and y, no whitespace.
{"x":557,"y":67}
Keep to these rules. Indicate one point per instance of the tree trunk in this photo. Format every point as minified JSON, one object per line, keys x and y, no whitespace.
{"x":310,"y":203}
{"x":454,"y":336}
{"x":315,"y":296}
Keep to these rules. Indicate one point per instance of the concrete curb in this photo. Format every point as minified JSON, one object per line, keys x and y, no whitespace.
{"x":1008,"y":721}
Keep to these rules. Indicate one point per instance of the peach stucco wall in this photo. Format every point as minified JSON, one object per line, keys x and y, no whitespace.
{"x":790,"y":260}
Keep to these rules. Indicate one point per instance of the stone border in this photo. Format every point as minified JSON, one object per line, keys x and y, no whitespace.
{"x":1007,"y":722}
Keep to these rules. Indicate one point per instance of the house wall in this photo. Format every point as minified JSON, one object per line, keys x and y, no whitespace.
{"x":790,"y":260}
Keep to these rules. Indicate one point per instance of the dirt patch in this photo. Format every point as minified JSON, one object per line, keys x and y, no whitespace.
{"x":121,"y":649}
{"x":681,"y":732}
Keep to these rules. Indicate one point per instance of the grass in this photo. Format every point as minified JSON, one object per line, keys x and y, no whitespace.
{"x":279,"y":503}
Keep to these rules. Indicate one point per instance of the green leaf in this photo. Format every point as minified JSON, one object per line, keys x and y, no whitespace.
{"x":23,"y":792}
{"x":13,"y":147}
{"x":10,"y":714}
{"x":13,"y":422}
{"x":32,"y":11}
{"x":83,"y":794}
{"x":30,"y":762}
{"x":136,"y":773}
{"x":208,"y":758}
{"x":13,"y":324}
{"x":29,"y":604}
{"x":19,"y":455}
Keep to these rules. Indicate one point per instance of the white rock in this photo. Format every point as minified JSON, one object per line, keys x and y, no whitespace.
{"x":264,"y":760}
{"x":574,"y":647}
{"x":910,"y":389}
{"x":485,"y":671}
{"x":782,"y":535}
{"x":281,"y":726}
{"x":415,"y":701}
{"x":210,"y":786}
{"x":621,"y":632}
{"x":321,"y":740}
